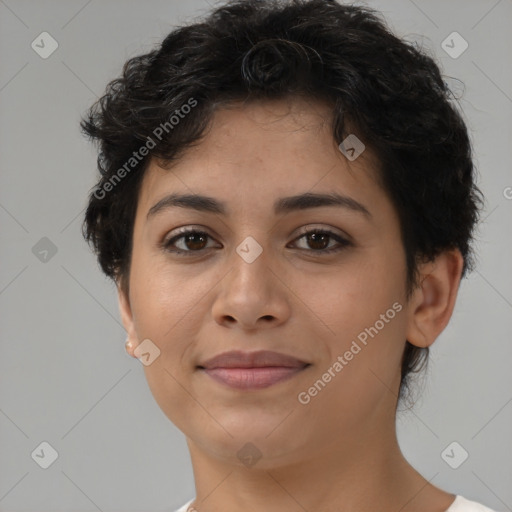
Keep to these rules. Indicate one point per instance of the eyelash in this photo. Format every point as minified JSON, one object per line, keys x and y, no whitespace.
{"x":166,"y":244}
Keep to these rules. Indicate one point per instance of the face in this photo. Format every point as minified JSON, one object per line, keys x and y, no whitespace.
{"x":323,"y":283}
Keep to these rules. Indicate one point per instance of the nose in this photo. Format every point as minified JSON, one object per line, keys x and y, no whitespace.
{"x":252,"y":295}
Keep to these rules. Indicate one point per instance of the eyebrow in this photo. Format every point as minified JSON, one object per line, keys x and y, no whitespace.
{"x":283,"y":205}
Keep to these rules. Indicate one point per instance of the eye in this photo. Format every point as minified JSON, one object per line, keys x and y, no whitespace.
{"x":191,"y":240}
{"x":319,"y":239}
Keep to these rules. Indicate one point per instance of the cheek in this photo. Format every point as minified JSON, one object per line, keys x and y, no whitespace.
{"x":364,"y":308}
{"x":160,"y":293}
{"x":170,"y":305}
{"x":155,"y":298}
{"x":166,"y":307}
{"x":353,"y":297}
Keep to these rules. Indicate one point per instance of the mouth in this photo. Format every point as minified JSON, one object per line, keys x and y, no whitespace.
{"x":253,"y":370}
{"x":252,"y":378}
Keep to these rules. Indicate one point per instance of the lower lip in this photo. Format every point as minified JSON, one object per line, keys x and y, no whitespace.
{"x":252,"y":378}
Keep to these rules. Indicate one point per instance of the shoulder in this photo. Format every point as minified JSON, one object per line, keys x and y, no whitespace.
{"x":184,"y":507}
{"x":462,"y":504}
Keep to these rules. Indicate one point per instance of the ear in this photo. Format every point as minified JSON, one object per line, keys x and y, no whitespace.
{"x":127,"y":319}
{"x":431,"y":304}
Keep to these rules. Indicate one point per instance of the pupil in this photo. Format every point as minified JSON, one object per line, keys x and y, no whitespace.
{"x":317,"y":240}
{"x":190,"y":239}
{"x":318,"y":237}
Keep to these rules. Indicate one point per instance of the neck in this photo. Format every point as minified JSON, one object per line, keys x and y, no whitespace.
{"x":368,"y":472}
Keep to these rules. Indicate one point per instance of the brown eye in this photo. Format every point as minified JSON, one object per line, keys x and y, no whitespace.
{"x":196,"y":241}
{"x":187,"y":241}
{"x":318,"y":240}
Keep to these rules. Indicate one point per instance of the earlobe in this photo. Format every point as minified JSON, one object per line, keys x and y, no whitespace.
{"x":127,"y":319}
{"x":432,"y":302}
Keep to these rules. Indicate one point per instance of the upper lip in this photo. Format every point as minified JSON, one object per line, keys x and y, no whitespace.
{"x":260,"y":359}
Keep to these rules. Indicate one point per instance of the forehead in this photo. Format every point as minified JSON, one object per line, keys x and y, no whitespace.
{"x":277,"y":148}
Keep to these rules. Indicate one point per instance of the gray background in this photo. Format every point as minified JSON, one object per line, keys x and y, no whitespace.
{"x":64,"y":375}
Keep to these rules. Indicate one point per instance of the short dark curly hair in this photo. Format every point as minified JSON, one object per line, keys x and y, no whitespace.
{"x":385,"y":89}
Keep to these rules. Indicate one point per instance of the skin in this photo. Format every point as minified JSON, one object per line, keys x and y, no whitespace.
{"x":339,"y":452}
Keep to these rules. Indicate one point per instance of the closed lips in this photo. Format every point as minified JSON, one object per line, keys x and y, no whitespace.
{"x":260,"y":359}
{"x":252,"y":371}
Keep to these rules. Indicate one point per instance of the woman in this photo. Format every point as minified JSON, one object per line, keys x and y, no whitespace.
{"x":286,"y":205}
